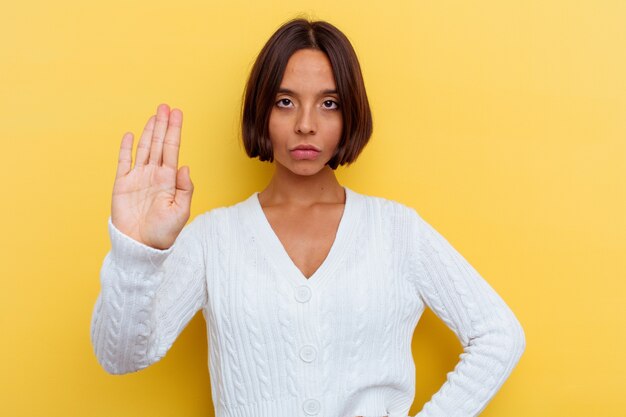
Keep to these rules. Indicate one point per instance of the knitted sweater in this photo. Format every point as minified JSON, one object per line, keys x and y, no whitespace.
{"x":337,"y":344}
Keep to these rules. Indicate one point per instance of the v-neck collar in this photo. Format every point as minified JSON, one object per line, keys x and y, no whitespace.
{"x":277,"y":253}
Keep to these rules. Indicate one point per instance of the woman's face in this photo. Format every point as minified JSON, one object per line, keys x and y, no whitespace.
{"x":306,"y":111}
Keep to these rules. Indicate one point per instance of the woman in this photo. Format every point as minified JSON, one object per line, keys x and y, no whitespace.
{"x":311,"y":291}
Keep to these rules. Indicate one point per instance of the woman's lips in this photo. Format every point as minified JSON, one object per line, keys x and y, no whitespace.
{"x":304,"y":153}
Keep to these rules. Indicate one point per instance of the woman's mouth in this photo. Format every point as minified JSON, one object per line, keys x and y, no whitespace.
{"x":304,"y":154}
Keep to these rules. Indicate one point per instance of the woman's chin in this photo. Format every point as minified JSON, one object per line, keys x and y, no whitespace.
{"x":306,"y":171}
{"x":303,"y":168}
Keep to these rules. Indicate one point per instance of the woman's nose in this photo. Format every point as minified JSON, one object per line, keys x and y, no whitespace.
{"x":306,"y":121}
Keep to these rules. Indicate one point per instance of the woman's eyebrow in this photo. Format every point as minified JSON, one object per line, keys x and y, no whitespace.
{"x":293,"y":93}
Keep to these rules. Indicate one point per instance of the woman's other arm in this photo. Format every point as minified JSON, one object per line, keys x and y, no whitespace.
{"x":493,"y":339}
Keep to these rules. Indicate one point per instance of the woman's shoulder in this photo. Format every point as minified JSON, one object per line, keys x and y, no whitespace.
{"x":387,"y":205}
{"x":222,"y":221}
{"x":227,"y":210}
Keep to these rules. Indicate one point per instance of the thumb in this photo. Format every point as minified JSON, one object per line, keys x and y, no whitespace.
{"x":184,"y":187}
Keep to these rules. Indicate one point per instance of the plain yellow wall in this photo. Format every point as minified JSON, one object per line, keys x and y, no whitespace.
{"x":503,"y":123}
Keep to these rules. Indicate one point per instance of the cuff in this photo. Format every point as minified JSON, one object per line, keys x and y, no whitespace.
{"x":130,"y":254}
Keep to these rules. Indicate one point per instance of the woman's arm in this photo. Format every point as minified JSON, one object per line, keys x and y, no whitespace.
{"x":493,"y":339}
{"x":147,"y":297}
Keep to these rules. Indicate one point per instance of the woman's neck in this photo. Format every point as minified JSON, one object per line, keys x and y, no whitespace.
{"x":287,"y":188}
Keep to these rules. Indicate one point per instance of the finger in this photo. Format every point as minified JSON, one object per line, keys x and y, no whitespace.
{"x":125,"y":155}
{"x":143,"y":147}
{"x":184,"y":188}
{"x":156,"y":148}
{"x":171,"y":144}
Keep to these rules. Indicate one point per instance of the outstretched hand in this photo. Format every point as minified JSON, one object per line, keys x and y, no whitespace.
{"x":152,"y":200}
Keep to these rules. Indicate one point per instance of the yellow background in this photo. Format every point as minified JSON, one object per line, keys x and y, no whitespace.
{"x":502,"y":122}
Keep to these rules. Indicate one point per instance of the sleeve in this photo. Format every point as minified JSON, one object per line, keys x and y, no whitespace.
{"x":147,"y":297}
{"x":493,"y":339}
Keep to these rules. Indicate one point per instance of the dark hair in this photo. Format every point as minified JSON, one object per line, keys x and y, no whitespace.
{"x":267,"y":73}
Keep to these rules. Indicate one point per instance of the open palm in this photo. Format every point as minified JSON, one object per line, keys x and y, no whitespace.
{"x":151,"y":202}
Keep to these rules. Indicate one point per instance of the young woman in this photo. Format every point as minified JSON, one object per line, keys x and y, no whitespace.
{"x":311,"y":291}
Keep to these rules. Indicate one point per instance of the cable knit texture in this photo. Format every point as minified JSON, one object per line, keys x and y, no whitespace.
{"x":337,"y":344}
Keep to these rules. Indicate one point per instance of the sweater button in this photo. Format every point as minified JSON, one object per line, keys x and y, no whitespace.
{"x":308,"y":353}
{"x":303,"y":294}
{"x":311,"y":407}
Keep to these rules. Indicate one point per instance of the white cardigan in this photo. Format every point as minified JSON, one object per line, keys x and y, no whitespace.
{"x":337,"y":344}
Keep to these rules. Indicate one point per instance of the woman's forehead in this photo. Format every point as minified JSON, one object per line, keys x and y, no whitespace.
{"x":309,"y":70}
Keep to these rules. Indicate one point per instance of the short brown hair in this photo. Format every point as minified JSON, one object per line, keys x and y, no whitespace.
{"x":267,"y":73}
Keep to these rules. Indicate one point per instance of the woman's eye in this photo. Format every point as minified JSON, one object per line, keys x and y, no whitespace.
{"x":283,"y":102}
{"x":330,"y":103}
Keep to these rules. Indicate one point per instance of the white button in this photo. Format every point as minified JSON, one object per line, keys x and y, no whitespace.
{"x":308,"y":353}
{"x":303,"y":294}
{"x":311,"y":407}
